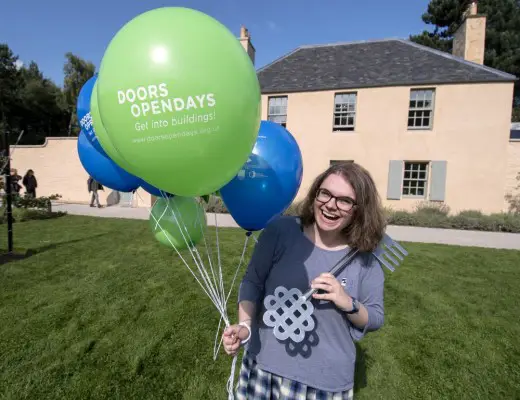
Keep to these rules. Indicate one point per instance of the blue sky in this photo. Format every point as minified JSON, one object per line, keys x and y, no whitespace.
{"x":44,"y":31}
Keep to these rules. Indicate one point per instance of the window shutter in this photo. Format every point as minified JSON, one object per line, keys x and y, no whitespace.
{"x":438,"y":181}
{"x":395,"y":180}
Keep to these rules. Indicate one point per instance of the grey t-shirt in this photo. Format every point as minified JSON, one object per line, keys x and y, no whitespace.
{"x":325,"y":359}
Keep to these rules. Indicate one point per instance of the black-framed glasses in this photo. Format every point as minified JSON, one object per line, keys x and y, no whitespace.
{"x":344,"y":203}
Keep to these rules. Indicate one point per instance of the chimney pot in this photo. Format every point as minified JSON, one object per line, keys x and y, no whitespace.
{"x":473,"y":8}
{"x":245,"y":41}
{"x":470,"y":39}
{"x":244,"y":33}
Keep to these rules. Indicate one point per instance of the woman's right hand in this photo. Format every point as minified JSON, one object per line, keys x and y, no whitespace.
{"x":232,"y":338}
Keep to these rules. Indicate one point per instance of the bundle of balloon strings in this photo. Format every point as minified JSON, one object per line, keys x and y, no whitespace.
{"x":208,"y":275}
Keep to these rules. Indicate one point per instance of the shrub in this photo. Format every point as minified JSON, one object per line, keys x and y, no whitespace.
{"x":39,"y":203}
{"x":505,"y":222}
{"x":431,"y":208}
{"x":215,"y":205}
{"x":27,"y":214}
{"x":402,"y":218}
{"x":514,"y":203}
{"x":471,"y":214}
{"x":514,"y":199}
{"x":436,"y":217}
{"x":26,"y":208}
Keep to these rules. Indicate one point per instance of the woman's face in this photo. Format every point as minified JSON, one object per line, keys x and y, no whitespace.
{"x":334,"y":204}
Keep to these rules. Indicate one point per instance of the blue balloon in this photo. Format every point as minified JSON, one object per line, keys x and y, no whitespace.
{"x":268,"y":182}
{"x":83,"y":113}
{"x":154,"y":191}
{"x":103,"y":169}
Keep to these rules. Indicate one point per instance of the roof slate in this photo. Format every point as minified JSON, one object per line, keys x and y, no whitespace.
{"x":392,"y":62}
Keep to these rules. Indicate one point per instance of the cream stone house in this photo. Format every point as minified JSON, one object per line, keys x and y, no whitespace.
{"x":428,"y":125}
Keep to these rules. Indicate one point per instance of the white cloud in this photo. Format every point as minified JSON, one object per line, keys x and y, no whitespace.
{"x":18,"y":64}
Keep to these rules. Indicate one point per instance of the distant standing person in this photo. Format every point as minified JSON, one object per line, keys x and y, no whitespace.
{"x":30,"y":183}
{"x":94,"y":186}
{"x":15,"y":178}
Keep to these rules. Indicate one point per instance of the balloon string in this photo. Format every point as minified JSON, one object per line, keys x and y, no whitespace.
{"x":218,"y":256}
{"x":178,"y":253}
{"x":193,"y":250}
{"x":220,"y":300}
{"x":233,"y":282}
{"x":209,"y":254}
{"x":194,"y":253}
{"x":231,"y":379}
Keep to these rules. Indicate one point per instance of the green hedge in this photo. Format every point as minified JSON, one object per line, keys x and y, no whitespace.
{"x":429,"y":215}
{"x":465,"y":220}
{"x":26,"y":208}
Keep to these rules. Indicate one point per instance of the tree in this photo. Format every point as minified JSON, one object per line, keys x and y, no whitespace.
{"x":502,"y":32}
{"x":77,"y":72}
{"x":10,"y":82}
{"x":44,"y":104}
{"x":29,"y":101}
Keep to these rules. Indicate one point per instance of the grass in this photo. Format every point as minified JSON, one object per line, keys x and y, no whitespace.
{"x":102,"y":311}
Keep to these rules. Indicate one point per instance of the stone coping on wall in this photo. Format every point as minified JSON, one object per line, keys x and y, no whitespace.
{"x":47,"y":140}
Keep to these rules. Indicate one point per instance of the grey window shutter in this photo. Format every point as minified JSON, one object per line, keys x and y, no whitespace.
{"x":438,"y":180}
{"x":395,"y":180}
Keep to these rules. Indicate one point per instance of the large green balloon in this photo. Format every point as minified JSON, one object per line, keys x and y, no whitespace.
{"x":102,"y":135}
{"x":168,"y":214}
{"x":180,"y":100}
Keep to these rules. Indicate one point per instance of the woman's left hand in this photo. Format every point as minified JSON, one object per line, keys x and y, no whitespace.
{"x":334,"y":291}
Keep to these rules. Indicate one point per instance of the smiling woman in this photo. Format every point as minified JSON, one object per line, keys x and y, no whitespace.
{"x":342,"y":211}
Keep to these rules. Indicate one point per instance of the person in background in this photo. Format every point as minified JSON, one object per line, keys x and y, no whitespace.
{"x":15,"y":178}
{"x":30,"y":183}
{"x":94,"y":186}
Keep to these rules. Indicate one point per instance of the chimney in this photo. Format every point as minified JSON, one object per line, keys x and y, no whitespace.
{"x":470,"y":39}
{"x":245,"y":41}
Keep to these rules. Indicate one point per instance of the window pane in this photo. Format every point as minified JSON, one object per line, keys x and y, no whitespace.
{"x":415,"y":178}
{"x":344,"y":110}
{"x":421,"y":108}
{"x":277,"y":110}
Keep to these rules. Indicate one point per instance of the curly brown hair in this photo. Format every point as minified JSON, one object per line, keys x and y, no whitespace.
{"x":367,"y":227}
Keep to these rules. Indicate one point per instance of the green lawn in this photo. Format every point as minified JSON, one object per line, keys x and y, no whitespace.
{"x":103,"y":311}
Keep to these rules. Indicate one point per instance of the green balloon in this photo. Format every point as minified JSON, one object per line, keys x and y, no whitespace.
{"x":168,"y":214}
{"x":180,"y":100}
{"x":102,"y":135}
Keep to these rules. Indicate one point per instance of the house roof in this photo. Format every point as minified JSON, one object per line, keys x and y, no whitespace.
{"x":392,"y":62}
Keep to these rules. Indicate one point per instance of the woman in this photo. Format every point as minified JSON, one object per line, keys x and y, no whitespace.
{"x":30,"y":183}
{"x":341,"y":211}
